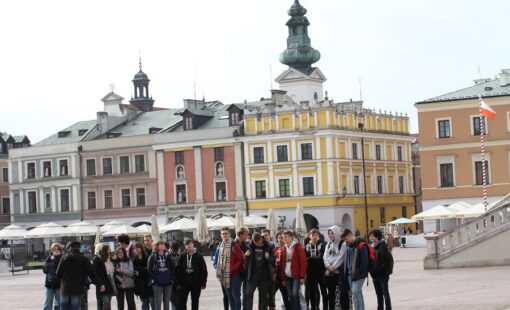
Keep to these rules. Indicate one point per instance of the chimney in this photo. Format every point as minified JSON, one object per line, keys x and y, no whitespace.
{"x":193,"y":104}
{"x":278,"y":96}
{"x":504,"y":77}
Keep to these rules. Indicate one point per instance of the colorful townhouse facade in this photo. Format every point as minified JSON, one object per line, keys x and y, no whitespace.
{"x":450,"y":145}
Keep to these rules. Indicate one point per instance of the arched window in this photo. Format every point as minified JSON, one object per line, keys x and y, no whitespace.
{"x":219,"y":169}
{"x":180,"y":172}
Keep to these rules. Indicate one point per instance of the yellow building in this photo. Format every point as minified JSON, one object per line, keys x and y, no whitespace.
{"x":301,"y":147}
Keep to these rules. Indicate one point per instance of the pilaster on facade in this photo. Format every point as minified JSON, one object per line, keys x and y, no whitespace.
{"x":160,"y":164}
{"x":248,"y":183}
{"x":77,"y":201}
{"x":271,"y":182}
{"x":198,"y":174}
{"x":238,"y":158}
{"x":53,"y":199}
{"x":295,"y":183}
{"x":21,"y":193}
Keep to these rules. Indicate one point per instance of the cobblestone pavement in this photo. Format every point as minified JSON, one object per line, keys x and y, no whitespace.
{"x":411,"y":288}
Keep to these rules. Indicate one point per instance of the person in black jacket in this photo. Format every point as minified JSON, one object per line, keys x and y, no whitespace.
{"x":190,"y":276}
{"x":143,"y":288}
{"x":73,"y":271}
{"x":258,"y":261}
{"x":315,"y":272}
{"x":104,"y":270}
{"x":52,"y":282}
{"x":381,"y":269}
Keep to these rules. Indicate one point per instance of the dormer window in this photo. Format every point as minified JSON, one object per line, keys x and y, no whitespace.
{"x":188,"y":123}
{"x":154,"y":130}
{"x":64,"y":134}
{"x":234,"y":118}
{"x":81,"y":132}
{"x":113,"y":135}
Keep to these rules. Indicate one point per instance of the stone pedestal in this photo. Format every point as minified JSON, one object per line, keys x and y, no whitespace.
{"x":430,"y":261}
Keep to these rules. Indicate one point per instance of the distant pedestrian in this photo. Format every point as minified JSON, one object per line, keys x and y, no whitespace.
{"x":357,"y":268}
{"x":104,"y":270}
{"x":389,"y":241}
{"x":161,"y":270}
{"x":73,"y":271}
{"x":124,"y":277}
{"x":230,"y":266}
{"x":292,"y":268}
{"x":143,"y":288}
{"x":381,"y":270}
{"x":259,"y":261}
{"x":315,"y":271}
{"x":190,"y":276}
{"x":52,"y":282}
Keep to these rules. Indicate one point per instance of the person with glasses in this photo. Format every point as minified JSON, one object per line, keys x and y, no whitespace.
{"x":229,"y":268}
{"x":243,"y":235}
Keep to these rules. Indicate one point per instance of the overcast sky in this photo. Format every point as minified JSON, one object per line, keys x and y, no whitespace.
{"x":59,"y":57}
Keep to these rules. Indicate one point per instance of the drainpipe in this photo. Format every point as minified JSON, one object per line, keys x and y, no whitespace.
{"x":80,"y":148}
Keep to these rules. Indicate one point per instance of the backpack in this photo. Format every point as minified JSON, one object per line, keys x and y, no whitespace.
{"x":390,"y":261}
{"x":371,"y":254}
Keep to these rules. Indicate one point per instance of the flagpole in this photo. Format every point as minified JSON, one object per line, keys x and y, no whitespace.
{"x":482,"y":144}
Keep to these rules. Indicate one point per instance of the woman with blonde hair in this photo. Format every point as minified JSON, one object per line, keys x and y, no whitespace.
{"x":52,"y":282}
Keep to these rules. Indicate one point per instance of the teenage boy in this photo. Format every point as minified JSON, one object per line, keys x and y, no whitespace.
{"x":357,"y":268}
{"x":230,"y":266}
{"x":243,"y":235}
{"x":315,"y":272}
{"x":272,"y":288}
{"x":258,"y":261}
{"x":190,"y":276}
{"x":276,"y":277}
{"x":292,"y":268}
{"x":334,"y":258}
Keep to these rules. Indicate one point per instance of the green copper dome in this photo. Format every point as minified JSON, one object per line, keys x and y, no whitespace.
{"x":299,"y":53}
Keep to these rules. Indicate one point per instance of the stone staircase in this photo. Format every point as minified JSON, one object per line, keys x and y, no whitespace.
{"x":481,"y":241}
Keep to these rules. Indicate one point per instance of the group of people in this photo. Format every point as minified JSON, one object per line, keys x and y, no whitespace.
{"x":158,"y":274}
{"x":335,"y":270}
{"x":163,"y":275}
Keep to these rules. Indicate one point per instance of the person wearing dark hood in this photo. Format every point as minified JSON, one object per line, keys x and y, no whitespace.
{"x":190,"y":276}
{"x":315,"y":272}
{"x":74,"y":270}
{"x":357,"y":267}
{"x":381,"y":269}
{"x":258,"y":261}
{"x":52,"y":282}
{"x":334,"y":258}
{"x":292,"y":268}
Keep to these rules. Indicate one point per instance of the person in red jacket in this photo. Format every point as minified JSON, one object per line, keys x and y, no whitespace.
{"x":292,"y":268}
{"x":230,"y":266}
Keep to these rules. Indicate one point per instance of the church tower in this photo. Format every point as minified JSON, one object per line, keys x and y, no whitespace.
{"x":142,"y":100}
{"x":302,"y":82}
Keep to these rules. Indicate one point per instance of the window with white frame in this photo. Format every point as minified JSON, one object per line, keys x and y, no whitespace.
{"x":446,"y":171}
{"x":126,"y":197}
{"x":180,"y":191}
{"x":400,"y":155}
{"x":479,"y":172}
{"x":139,"y":163}
{"x":401,"y":184}
{"x":63,"y":167}
{"x":355,"y":151}
{"x":282,"y":153}
{"x":356,"y":184}
{"x":308,"y":186}
{"x":5,"y":175}
{"x":108,"y":199}
{"x":47,"y":169}
{"x":476,"y":125}
{"x":221,"y":191}
{"x":284,"y":187}
{"x":124,"y":164}
{"x":64,"y":200}
{"x":6,"y":205}
{"x":378,"y":152}
{"x":107,"y":166}
{"x":30,"y":170}
{"x":47,"y":201}
{"x":140,"y":197}
{"x":91,"y":167}
{"x":91,"y":200}
{"x":379,"y":184}
{"x":260,"y":189}
{"x":306,"y":151}
{"x":258,"y":155}
{"x":32,"y":202}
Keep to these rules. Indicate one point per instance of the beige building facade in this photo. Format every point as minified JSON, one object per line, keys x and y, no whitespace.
{"x":450,"y":145}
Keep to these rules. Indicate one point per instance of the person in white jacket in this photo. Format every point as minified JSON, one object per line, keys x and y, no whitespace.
{"x":334,"y":259}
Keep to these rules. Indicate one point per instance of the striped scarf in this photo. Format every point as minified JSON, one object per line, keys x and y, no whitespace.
{"x":223,"y":272}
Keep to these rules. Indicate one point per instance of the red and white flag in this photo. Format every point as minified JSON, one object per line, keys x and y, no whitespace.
{"x":486,"y":110}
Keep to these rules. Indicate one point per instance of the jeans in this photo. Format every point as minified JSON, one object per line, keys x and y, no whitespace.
{"x":343,"y":286}
{"x":262,"y":284}
{"x":184,"y":291}
{"x":146,"y":302}
{"x":357,"y":293}
{"x":70,"y":302}
{"x":130,"y":298}
{"x":103,"y":301}
{"x":293,"y":287}
{"x":244,"y":285}
{"x":225,"y":298}
{"x":383,"y":293}
{"x":234,"y":292}
{"x":271,"y":292}
{"x":49,"y":295}
{"x":162,"y":295}
{"x":283,"y":291}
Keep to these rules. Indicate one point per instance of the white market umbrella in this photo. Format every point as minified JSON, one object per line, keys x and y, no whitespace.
{"x":224,"y":221}
{"x":439,"y":212}
{"x":184,"y":224}
{"x":145,"y":228}
{"x":403,"y":220}
{"x":111,"y":225}
{"x":48,"y":230}
{"x":239,"y":219}
{"x":124,"y":230}
{"x":201,"y":222}
{"x":254,"y":220}
{"x":300,"y":227}
{"x":12,"y":232}
{"x":82,"y":229}
{"x":272,"y":223}
{"x":155,"y":232}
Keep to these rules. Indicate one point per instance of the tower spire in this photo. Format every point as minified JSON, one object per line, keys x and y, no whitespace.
{"x":140,"y":60}
{"x":299,"y":53}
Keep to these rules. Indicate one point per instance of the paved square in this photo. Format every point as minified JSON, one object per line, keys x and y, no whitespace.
{"x":411,"y":287}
